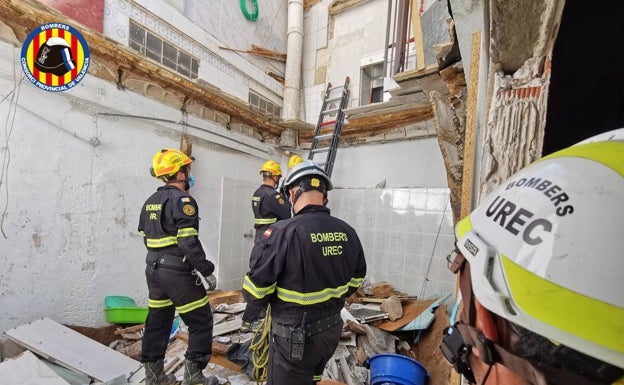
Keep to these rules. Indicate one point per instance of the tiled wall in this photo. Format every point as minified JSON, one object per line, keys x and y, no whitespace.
{"x":406,"y":233}
{"x":237,"y":233}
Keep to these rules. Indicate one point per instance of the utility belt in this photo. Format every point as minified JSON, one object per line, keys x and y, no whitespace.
{"x":167,"y":261}
{"x":310,"y":329}
{"x":298,"y":334}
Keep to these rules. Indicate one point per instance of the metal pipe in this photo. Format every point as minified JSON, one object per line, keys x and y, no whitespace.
{"x":294,"y":52}
{"x":386,"y":48}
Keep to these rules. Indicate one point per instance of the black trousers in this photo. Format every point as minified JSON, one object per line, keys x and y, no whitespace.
{"x":171,"y":289}
{"x":317,"y":351}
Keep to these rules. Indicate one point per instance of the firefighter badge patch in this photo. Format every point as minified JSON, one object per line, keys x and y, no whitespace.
{"x":188,"y":210}
{"x":267,"y":233}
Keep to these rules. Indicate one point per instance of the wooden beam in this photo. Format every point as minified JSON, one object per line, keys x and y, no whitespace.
{"x":418,"y":36}
{"x":471,"y":122}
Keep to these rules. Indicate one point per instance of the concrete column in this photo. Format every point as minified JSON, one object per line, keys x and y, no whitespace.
{"x":292,"y":81}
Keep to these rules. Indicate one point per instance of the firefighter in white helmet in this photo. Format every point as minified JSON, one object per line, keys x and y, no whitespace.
{"x":540,"y":262}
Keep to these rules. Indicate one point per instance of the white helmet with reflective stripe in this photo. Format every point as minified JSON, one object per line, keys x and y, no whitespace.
{"x":545,"y":248}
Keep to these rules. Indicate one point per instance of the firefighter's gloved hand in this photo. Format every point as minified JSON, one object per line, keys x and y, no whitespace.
{"x":211,"y":280}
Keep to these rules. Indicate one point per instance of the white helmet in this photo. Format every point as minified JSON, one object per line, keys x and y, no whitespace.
{"x":546,"y":248}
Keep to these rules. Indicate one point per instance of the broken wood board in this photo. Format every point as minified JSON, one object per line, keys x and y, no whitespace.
{"x":381,"y":300}
{"x":27,"y":369}
{"x":228,"y":297}
{"x":70,"y":349}
{"x":410,"y":311}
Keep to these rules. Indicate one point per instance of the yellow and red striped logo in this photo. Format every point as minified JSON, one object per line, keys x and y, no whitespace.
{"x":55,"y":57}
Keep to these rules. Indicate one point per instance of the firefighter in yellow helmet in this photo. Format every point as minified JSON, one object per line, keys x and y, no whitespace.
{"x":294,"y":160}
{"x":540,"y":264}
{"x":268,"y":204}
{"x":169,"y":222}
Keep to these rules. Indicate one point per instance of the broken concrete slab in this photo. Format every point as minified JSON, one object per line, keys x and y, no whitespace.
{"x":27,"y":369}
{"x":72,"y":350}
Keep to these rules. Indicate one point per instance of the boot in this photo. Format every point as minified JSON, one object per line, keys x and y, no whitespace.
{"x":155,"y":374}
{"x":193,"y":374}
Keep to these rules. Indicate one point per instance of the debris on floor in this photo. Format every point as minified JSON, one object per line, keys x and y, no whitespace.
{"x":378,"y":321}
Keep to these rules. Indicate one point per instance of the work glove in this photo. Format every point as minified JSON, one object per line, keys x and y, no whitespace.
{"x":211,"y":280}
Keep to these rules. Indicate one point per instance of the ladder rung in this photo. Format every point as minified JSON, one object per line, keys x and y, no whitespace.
{"x":323,"y":137}
{"x":334,"y":99}
{"x":331,"y":112}
{"x":320,"y":150}
{"x":337,"y":87}
{"x":327,"y":123}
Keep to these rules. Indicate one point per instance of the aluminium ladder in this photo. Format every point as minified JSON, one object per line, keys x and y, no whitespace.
{"x":329,"y":126}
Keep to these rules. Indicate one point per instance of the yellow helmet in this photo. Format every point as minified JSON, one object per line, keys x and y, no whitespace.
{"x":294,"y":160}
{"x":271,"y":167}
{"x":168,"y":161}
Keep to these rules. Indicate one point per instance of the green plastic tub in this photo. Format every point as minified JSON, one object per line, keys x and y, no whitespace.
{"x":123,"y":310}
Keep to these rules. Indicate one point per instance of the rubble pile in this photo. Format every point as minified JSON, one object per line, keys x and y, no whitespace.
{"x":377,"y":320}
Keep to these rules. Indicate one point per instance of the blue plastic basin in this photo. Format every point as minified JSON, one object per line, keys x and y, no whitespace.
{"x":396,"y":369}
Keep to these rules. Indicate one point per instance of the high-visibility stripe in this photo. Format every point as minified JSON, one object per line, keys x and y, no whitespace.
{"x":463,"y":227}
{"x":356,"y":282}
{"x":142,"y":232}
{"x":158,"y":303}
{"x":313,"y":297}
{"x":609,"y":154}
{"x":317,"y":378}
{"x":192,"y":305}
{"x":258,"y":292}
{"x":567,"y":310}
{"x":265,"y":221}
{"x":161,"y":242}
{"x":187,"y":232}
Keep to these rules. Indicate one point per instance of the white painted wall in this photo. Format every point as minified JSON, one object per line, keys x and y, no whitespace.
{"x":72,"y":184}
{"x":414,"y":163}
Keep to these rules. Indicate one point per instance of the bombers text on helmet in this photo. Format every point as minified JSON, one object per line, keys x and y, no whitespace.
{"x":545,"y":248}
{"x":167,"y":162}
{"x":271,"y":168}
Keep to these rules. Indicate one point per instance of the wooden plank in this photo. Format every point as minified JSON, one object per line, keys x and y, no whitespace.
{"x":27,"y":369}
{"x":218,"y":297}
{"x":72,"y":350}
{"x":471,"y":122}
{"x":418,"y":36}
{"x":410,"y":312}
{"x":130,"y":329}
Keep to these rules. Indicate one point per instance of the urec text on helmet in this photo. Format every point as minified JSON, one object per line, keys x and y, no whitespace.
{"x":513,"y":218}
{"x":551,"y":190}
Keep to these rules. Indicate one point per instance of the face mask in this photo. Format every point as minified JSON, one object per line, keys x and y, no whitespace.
{"x":191,"y":181}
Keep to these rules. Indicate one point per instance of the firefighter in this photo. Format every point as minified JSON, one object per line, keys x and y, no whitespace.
{"x":169,"y":222}
{"x":293,"y":161}
{"x":306,"y":267}
{"x":268,"y":204}
{"x":540,"y":264}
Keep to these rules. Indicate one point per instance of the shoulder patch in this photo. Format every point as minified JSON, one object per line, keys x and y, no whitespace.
{"x":281,"y":201}
{"x":185,"y":199}
{"x":267,"y":233}
{"x":188,"y":209}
